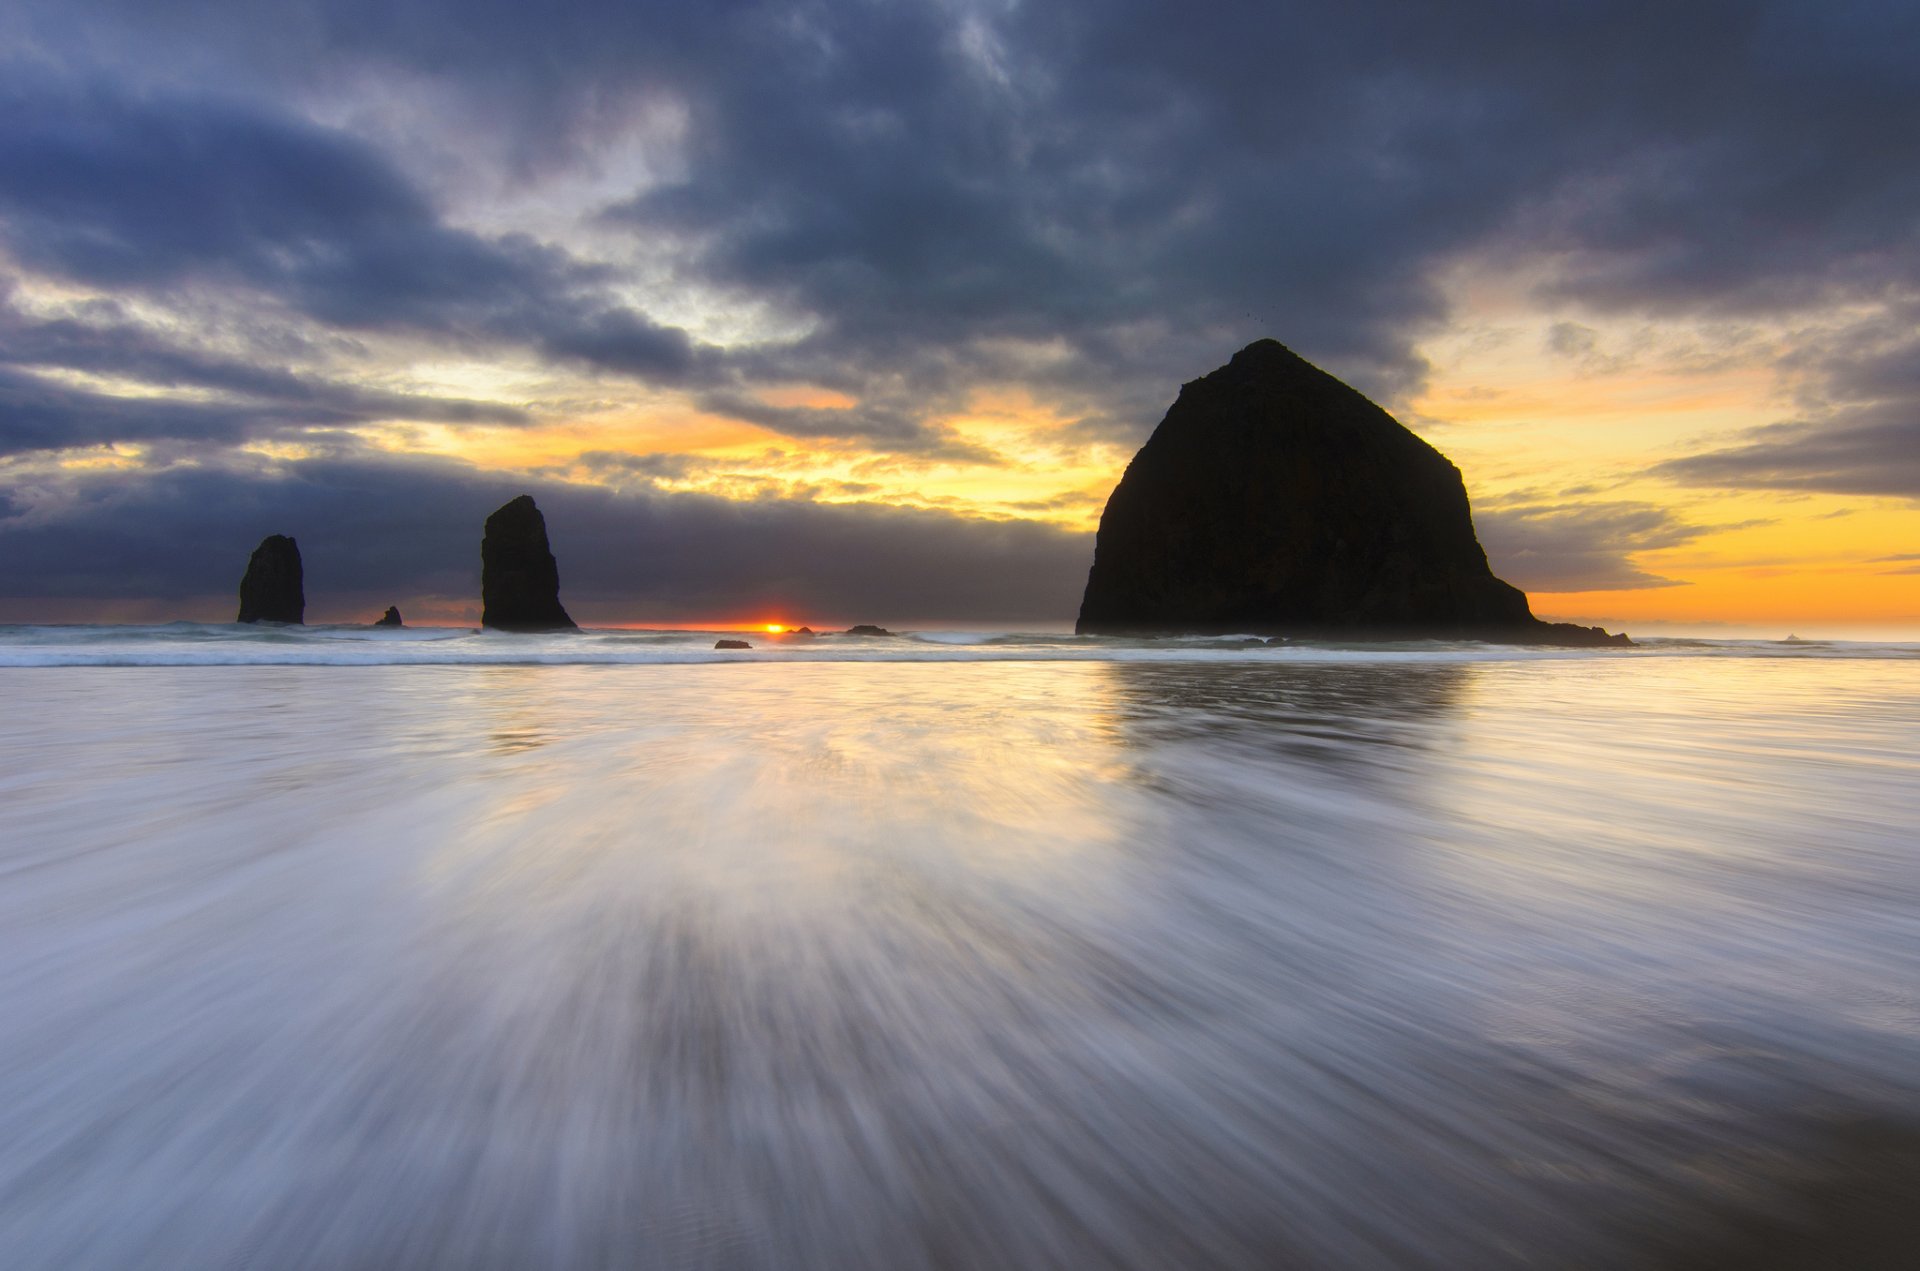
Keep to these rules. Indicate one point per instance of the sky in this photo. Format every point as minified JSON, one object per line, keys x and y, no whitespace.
{"x":855,"y":311}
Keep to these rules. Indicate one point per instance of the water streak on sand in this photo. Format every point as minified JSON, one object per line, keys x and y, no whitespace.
{"x":1432,"y":958}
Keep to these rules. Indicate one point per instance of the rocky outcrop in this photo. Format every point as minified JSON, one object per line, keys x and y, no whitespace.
{"x":519,"y":579}
{"x":1274,"y":499}
{"x":391,"y":618}
{"x":273,"y":589}
{"x":731,"y":644}
{"x":867,"y":629}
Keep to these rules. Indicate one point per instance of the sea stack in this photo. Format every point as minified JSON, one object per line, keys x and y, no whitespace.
{"x":519,"y":580}
{"x":1274,"y":499}
{"x":273,"y":588}
{"x":391,"y":618}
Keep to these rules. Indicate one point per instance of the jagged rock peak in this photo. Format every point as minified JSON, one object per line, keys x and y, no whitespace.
{"x":1275,"y":499}
{"x":519,"y":579}
{"x":391,"y":618}
{"x":273,"y":588}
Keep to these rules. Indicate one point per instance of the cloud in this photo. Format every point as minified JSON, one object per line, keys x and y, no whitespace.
{"x":380,"y":530}
{"x":1094,"y":203}
{"x":1862,"y":452}
{"x":888,"y":426}
{"x":1859,"y":384}
{"x":170,"y":190}
{"x":1580,"y":345}
{"x":1561,"y":547}
{"x":175,"y":195}
{"x":38,"y":415}
{"x":231,"y":398}
{"x":905,"y":172}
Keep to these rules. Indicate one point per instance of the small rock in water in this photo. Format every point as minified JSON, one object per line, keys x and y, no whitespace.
{"x":391,"y":618}
{"x":272,"y":589}
{"x":868,"y":629}
{"x":731,"y":644}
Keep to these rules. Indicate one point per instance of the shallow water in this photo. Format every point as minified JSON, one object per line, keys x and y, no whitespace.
{"x":270,"y":644}
{"x":1429,"y":959}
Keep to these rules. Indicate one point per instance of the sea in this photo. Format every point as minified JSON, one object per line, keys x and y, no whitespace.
{"x":345,"y":948}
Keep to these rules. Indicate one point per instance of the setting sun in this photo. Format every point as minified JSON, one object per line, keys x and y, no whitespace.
{"x":774,"y":628}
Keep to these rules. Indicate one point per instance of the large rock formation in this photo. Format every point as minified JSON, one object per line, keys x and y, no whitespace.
{"x":273,"y":589}
{"x":1275,"y":499}
{"x":519,"y":581}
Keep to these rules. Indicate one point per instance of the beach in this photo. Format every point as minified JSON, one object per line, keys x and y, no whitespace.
{"x":341,"y":949}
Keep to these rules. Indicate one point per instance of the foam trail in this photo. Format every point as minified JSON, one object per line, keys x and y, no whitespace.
{"x":213,"y":644}
{"x":1215,"y":963}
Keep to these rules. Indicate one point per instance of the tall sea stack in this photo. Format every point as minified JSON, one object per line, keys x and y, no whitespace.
{"x":273,"y":589}
{"x":519,"y":580}
{"x":1274,"y":499}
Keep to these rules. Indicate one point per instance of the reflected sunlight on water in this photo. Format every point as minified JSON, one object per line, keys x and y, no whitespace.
{"x":1133,"y":964}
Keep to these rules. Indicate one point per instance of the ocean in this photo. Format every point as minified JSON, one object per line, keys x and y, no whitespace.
{"x":349,"y":948}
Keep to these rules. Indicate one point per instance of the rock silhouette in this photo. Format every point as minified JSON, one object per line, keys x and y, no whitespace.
{"x":273,"y":588}
{"x":391,"y":618}
{"x":867,"y":629}
{"x":1274,"y":499}
{"x":519,"y":579}
{"x":731,"y":644}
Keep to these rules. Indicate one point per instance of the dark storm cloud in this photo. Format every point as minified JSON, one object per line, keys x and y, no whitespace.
{"x":160,"y":192}
{"x":38,"y":415}
{"x":379,"y":530}
{"x":1155,"y":189}
{"x":164,"y":190}
{"x":1579,"y":546}
{"x":1870,"y":452}
{"x":1151,"y":188}
{"x":256,"y":397}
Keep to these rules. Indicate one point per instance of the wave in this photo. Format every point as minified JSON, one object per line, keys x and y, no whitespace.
{"x":233,"y":644}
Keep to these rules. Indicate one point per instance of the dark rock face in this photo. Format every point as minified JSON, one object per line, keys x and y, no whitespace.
{"x":391,"y":618}
{"x":731,"y":644}
{"x":868,"y":629}
{"x":1274,"y":499}
{"x":519,"y":580}
{"x":273,"y":589}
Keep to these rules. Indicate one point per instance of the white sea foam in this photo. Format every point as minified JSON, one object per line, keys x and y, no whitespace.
{"x":1331,"y":958}
{"x":196,"y":644}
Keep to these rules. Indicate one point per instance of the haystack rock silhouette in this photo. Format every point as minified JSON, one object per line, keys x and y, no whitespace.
{"x":273,"y":588}
{"x":391,"y":618}
{"x":1274,"y":499}
{"x":519,"y":580}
